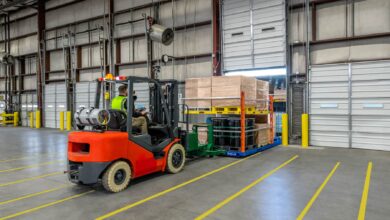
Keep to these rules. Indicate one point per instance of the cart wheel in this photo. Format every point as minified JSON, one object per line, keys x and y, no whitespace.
{"x":117,"y":177}
{"x":176,"y":159}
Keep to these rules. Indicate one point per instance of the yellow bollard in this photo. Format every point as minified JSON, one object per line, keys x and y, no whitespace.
{"x":68,"y":121}
{"x":305,"y":130}
{"x":37,"y":119}
{"x":285,"y":130}
{"x":31,"y":119}
{"x":16,"y":119}
{"x":62,"y":120}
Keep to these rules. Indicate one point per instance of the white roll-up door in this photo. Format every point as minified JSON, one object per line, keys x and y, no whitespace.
{"x":350,"y":105}
{"x":85,"y":95}
{"x":55,"y":101}
{"x":28,"y":104}
{"x":329,"y":114}
{"x":254,"y":34}
{"x":371,"y":105}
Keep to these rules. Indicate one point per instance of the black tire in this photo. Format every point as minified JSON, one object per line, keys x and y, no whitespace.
{"x":176,"y":159}
{"x":117,"y":177}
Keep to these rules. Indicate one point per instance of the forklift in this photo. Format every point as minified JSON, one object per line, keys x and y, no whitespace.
{"x":113,"y":151}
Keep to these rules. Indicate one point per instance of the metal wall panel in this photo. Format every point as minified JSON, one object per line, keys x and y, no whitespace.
{"x":371,"y":105}
{"x":55,"y":101}
{"x":254,"y":34}
{"x":329,"y":92}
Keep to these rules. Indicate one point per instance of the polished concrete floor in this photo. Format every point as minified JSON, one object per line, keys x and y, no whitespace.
{"x":32,"y":185}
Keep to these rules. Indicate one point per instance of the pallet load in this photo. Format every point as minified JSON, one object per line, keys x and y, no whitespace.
{"x":226,"y":90}
{"x":262,"y":134}
{"x":262,"y":94}
{"x":280,"y":94}
{"x":227,"y":133}
{"x":195,"y":90}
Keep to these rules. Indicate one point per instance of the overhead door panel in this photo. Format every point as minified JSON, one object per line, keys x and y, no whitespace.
{"x":329,"y":105}
{"x":254,"y":34}
{"x":371,"y":105}
{"x":55,"y":102}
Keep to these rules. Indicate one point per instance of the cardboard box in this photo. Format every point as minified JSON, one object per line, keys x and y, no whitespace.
{"x":280,"y":94}
{"x":231,"y":87}
{"x":262,"y":94}
{"x":196,"y":88}
{"x":262,"y":135}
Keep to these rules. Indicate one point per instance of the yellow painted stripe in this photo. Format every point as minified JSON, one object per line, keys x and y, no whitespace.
{"x":30,"y":166}
{"x":33,"y":195}
{"x":243,"y":190}
{"x":318,"y":192}
{"x":45,"y":205}
{"x":171,"y":189}
{"x":29,"y":179}
{"x":363,"y":202}
{"x":14,"y":159}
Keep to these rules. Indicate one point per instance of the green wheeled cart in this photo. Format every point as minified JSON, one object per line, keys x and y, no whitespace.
{"x":194,"y":149}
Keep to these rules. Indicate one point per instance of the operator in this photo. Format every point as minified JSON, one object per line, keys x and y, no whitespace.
{"x":120,"y":103}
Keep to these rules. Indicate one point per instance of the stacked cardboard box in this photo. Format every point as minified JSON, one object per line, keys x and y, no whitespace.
{"x":226,"y":90}
{"x":262,"y":94}
{"x":280,"y":94}
{"x":262,"y":135}
{"x":197,"y":88}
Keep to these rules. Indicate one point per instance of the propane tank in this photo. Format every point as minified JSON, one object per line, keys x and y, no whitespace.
{"x":91,"y":117}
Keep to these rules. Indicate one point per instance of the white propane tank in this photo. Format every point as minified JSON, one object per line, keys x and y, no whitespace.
{"x":91,"y":117}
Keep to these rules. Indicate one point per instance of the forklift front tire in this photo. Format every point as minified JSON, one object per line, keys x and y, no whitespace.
{"x":176,"y":158}
{"x":117,"y":177}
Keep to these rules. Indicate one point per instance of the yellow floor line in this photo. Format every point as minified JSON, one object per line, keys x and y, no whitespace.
{"x":29,"y":179}
{"x":318,"y":192}
{"x":33,"y":195}
{"x":363,"y":202}
{"x":44,"y":206}
{"x":30,"y":166}
{"x":171,"y":189}
{"x":26,"y":157}
{"x":243,"y":190}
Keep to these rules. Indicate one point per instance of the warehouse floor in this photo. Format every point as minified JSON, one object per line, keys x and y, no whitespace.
{"x":32,"y":185}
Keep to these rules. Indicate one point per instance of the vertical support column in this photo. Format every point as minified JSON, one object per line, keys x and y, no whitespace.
{"x":68,"y":120}
{"x":41,"y":69}
{"x":216,"y":39}
{"x":62,"y":120}
{"x":285,"y":130}
{"x":38,"y":119}
{"x":305,"y":130}
{"x":243,"y":134}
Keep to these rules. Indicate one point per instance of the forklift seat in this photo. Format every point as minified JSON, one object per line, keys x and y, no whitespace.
{"x":159,"y":133}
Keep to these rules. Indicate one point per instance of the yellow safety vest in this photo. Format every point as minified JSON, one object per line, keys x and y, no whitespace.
{"x":118,"y":103}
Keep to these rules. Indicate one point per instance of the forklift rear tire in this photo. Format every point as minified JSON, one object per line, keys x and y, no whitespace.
{"x":117,"y":177}
{"x":176,"y":158}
